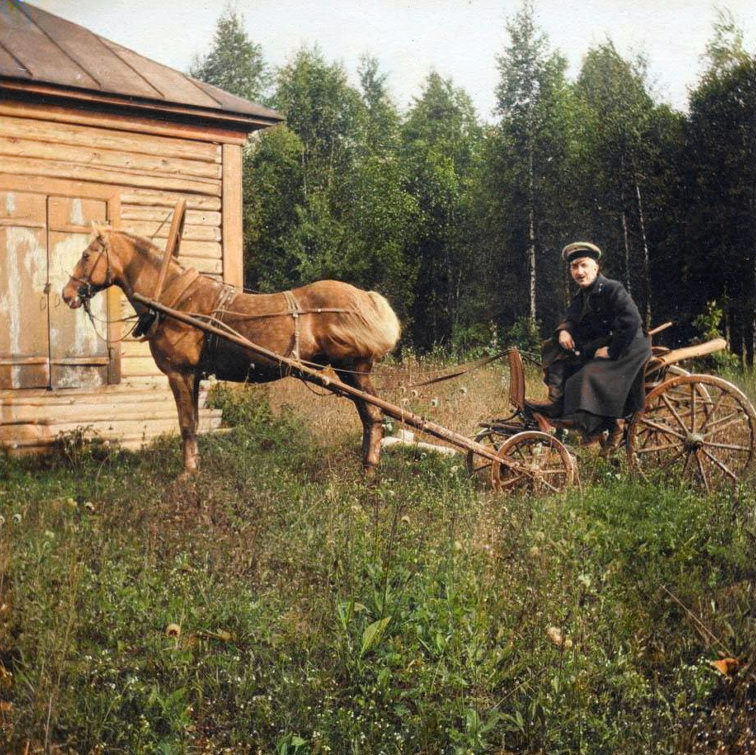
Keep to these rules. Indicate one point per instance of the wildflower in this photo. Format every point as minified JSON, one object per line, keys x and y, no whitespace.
{"x":17,"y":518}
{"x":6,"y":677}
{"x":405,"y":519}
{"x":89,"y":506}
{"x":173,"y":630}
{"x":556,"y":637}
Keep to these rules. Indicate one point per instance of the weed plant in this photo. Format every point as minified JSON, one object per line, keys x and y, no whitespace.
{"x":277,"y":603}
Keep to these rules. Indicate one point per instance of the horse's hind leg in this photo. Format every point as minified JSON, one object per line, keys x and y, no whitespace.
{"x":185,"y":387}
{"x":370,"y":415}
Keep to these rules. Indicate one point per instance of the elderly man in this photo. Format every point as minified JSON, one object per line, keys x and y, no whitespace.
{"x":594,"y":365}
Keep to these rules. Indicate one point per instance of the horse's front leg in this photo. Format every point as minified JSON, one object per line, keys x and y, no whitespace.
{"x":185,"y":387}
{"x":370,"y":415}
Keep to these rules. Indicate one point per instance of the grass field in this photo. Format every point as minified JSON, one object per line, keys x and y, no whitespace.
{"x":279,"y":604}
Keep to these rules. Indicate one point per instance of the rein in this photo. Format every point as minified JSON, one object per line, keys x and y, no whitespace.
{"x":477,"y":364}
{"x":146,"y":323}
{"x":87,"y":289}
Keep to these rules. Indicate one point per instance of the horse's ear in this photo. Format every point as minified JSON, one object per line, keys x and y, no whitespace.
{"x":98,"y":231}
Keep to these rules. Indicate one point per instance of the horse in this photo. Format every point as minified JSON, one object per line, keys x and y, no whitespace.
{"x":324,"y":323}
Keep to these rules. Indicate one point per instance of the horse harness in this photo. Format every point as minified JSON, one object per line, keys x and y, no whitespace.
{"x":149,"y":320}
{"x":87,"y":289}
{"x":295,"y":311}
{"x":215,"y":345}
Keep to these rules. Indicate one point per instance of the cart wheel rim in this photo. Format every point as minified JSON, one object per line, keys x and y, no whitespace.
{"x":700,"y":429}
{"x":535,"y":462}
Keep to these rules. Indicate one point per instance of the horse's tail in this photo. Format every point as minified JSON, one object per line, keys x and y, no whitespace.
{"x":370,"y":330}
{"x":388,"y":329}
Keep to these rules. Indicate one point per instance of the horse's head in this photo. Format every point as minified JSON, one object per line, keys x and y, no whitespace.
{"x":93,"y":271}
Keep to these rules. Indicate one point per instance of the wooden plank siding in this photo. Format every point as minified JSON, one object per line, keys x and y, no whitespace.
{"x":150,"y":172}
{"x":233,"y":271}
{"x":141,"y":175}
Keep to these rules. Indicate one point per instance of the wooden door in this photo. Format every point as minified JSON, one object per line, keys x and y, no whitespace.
{"x":47,"y":344}
{"x":24,"y":335}
{"x":79,"y":354}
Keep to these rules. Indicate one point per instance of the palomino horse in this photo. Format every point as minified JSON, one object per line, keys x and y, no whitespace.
{"x":326,"y":322}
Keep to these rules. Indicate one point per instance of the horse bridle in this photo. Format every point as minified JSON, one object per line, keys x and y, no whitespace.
{"x":87,"y":289}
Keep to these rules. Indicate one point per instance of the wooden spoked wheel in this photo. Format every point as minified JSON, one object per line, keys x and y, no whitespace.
{"x":696,"y":428}
{"x":480,"y":466}
{"x":533,"y":462}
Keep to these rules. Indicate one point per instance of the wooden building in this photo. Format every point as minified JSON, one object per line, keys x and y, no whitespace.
{"x":90,"y":130}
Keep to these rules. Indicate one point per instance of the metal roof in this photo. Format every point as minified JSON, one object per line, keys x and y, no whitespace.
{"x":46,"y":54}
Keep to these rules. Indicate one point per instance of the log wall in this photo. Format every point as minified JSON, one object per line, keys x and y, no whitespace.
{"x":143,"y":168}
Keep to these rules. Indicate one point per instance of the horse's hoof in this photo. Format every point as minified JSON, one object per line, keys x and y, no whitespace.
{"x":370,"y":475}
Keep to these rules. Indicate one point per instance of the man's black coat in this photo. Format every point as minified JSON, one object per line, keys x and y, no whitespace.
{"x":605,"y":314}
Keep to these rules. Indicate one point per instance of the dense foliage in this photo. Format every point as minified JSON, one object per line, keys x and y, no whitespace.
{"x":460,"y":222}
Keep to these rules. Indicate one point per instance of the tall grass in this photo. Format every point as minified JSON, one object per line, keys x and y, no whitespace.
{"x":278,"y":604}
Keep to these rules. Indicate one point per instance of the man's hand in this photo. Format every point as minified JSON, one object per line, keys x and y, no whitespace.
{"x":565,"y":340}
{"x":602,"y":353}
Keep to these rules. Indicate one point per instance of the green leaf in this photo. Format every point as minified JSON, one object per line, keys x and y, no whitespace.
{"x":373,"y":634}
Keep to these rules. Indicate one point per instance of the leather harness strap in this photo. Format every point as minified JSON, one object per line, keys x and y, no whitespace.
{"x":295,"y":310}
{"x":225,"y":296}
{"x":172,"y":295}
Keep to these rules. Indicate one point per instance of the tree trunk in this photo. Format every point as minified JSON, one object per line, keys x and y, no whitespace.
{"x":748,"y":335}
{"x":627,"y":252}
{"x":646,"y":262}
{"x":531,"y":241}
{"x":736,"y":342}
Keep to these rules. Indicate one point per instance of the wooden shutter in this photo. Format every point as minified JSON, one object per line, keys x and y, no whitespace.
{"x":24,"y":341}
{"x":79,"y":354}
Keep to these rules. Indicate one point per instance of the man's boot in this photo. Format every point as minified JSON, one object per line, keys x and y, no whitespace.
{"x":551,"y":409}
{"x":612,"y":441}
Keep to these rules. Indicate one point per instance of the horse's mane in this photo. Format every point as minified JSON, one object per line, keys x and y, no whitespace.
{"x":141,"y":244}
{"x":144,"y":247}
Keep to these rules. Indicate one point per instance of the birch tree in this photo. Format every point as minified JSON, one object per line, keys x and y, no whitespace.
{"x":533,"y":134}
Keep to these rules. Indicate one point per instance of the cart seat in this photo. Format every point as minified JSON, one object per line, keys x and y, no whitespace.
{"x":516,"y":380}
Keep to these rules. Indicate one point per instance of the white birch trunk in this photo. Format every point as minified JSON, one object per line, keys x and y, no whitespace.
{"x":646,"y":259}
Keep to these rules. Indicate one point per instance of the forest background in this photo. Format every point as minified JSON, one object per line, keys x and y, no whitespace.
{"x":460,"y":222}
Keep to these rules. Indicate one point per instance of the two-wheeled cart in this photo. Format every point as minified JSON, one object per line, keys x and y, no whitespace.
{"x":696,"y":428}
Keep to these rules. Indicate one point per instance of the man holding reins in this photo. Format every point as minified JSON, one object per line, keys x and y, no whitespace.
{"x":593,"y":366}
